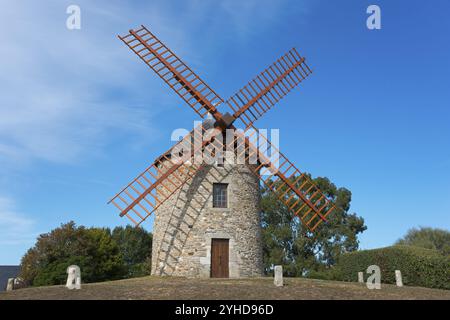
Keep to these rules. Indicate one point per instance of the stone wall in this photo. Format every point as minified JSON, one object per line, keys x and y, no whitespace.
{"x":186,"y":223}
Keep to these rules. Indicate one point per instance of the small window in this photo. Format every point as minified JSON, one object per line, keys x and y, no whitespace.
{"x":220,"y":196}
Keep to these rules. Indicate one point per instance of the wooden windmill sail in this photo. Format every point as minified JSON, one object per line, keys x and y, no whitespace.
{"x":139,"y":199}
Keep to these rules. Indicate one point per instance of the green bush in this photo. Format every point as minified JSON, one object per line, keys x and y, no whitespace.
{"x":419,"y":266}
{"x":332,"y":273}
{"x":428,"y":238}
{"x":101,"y":254}
{"x":135,"y":244}
{"x":92,"y":249}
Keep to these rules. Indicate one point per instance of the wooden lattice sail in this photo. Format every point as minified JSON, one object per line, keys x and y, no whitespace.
{"x":140,"y":198}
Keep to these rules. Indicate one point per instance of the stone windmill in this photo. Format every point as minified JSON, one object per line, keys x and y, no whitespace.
{"x":207,"y":212}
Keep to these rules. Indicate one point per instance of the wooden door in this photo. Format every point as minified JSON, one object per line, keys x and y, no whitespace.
{"x":219,"y":258}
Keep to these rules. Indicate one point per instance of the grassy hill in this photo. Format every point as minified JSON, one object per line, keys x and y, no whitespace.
{"x":234,"y":289}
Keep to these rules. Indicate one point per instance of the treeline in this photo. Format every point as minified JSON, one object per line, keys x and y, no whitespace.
{"x":331,"y":253}
{"x":125,"y":252}
{"x":422,"y":256}
{"x":287,"y":242}
{"x":419,"y":266}
{"x":101,"y":254}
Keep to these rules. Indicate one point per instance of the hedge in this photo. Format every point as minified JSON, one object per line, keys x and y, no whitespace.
{"x":419,"y":267}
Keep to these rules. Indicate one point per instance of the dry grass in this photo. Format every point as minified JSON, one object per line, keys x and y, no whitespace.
{"x":234,"y":289}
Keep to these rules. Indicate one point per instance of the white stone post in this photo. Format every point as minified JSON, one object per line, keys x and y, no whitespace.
{"x":10,"y":285}
{"x":360,"y":277}
{"x":278,"y":276}
{"x":374,"y":280}
{"x":73,"y":278}
{"x":398,"y":278}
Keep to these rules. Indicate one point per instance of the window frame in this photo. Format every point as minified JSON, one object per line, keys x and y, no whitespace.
{"x":220,"y":203}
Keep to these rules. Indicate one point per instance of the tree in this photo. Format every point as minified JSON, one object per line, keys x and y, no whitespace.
{"x":93,"y":250}
{"x":136,"y":247}
{"x":429,"y":238}
{"x":287,"y":242}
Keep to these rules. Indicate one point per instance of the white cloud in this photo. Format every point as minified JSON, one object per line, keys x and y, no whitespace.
{"x":59,"y":88}
{"x":65,"y":93}
{"x":15,"y":228}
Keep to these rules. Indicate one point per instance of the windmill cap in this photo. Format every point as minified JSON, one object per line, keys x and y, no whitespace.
{"x":207,"y":123}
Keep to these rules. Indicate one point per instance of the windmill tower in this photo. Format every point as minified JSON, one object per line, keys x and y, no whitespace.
{"x":210,"y":226}
{"x":207,"y":213}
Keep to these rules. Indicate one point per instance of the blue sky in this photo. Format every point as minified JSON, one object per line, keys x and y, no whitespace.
{"x":80,"y":116}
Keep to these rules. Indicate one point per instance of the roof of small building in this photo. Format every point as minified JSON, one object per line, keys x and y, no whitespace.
{"x":7,"y":272}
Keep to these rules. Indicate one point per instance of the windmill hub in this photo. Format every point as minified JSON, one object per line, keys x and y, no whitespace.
{"x":207,"y":216}
{"x":225,"y":121}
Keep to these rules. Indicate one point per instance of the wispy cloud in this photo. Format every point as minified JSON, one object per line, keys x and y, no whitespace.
{"x":60,"y":89}
{"x":64,"y":94}
{"x":15,"y":228}
{"x":67,"y":96}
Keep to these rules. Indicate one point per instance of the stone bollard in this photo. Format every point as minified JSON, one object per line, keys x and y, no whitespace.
{"x":398,"y":278}
{"x":278,"y":276}
{"x":360,"y":277}
{"x":10,"y":285}
{"x":73,"y":278}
